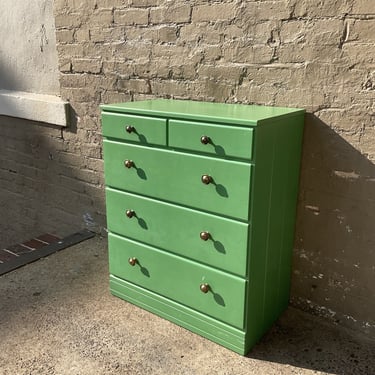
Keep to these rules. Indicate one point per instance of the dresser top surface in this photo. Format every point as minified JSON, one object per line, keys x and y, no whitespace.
{"x":240,"y":114}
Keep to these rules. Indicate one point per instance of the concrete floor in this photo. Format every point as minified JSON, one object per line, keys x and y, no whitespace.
{"x":57,"y":317}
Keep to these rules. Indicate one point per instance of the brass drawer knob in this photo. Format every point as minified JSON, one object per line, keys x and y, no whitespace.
{"x":129,"y":163}
{"x":205,"y":139}
{"x":204,"y":288}
{"x":130,"y":129}
{"x":130,"y":213}
{"x":206,"y":179}
{"x":204,"y":236}
{"x":132,"y":261}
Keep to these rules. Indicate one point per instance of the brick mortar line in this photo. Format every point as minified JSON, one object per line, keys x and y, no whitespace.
{"x":37,"y":239}
{"x":11,"y":252}
{"x":27,"y":247}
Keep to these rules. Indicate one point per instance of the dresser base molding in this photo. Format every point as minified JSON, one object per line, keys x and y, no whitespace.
{"x":203,"y":325}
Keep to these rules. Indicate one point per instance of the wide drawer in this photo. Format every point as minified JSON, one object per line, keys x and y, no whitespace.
{"x":178,"y":279}
{"x":177,"y":177}
{"x":179,"y":229}
{"x":220,"y":140}
{"x":139,"y":129}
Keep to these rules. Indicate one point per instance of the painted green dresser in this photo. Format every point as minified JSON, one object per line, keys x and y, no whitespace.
{"x":201,"y":200}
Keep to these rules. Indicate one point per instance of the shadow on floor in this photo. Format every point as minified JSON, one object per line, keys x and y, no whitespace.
{"x":302,"y":340}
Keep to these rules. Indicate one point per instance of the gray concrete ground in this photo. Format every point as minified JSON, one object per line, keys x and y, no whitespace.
{"x":58,"y":317}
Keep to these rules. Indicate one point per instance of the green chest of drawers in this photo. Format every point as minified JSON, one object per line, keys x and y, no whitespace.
{"x":201,"y":201}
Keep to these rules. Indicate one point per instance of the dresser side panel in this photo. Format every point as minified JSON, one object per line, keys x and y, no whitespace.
{"x":287,"y":164}
{"x":258,"y":233}
{"x":276,"y":181}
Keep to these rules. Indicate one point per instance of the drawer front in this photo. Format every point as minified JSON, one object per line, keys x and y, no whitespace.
{"x":179,"y":279}
{"x":176,"y":177}
{"x":144,"y":130}
{"x":178,"y":230}
{"x":222,"y":140}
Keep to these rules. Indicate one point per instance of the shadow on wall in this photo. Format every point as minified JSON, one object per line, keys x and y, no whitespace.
{"x":335,"y":237}
{"x":10,"y":197}
{"x":44,"y":187}
{"x":40,"y":179}
{"x":25,"y":177}
{"x":8,"y":80}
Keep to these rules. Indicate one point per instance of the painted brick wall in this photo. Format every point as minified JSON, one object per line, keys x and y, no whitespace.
{"x":45,"y":184}
{"x":319,"y":55}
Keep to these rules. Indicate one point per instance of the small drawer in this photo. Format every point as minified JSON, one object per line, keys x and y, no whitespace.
{"x":223,"y":295}
{"x":209,"y":184}
{"x":139,"y":129}
{"x":221,"y":140}
{"x":206,"y":238}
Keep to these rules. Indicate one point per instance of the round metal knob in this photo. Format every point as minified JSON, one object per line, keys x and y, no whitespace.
{"x":132,"y":261}
{"x":205,"y":139}
{"x":129,"y":163}
{"x":204,"y":236}
{"x":206,"y":179}
{"x":204,"y":288}
{"x":130,"y":129}
{"x":130,"y":213}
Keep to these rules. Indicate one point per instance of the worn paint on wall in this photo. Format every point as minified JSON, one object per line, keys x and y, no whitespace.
{"x":28,"y":57}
